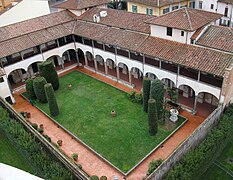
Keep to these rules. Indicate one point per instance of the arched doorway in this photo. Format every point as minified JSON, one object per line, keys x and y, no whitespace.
{"x":123,"y":72}
{"x":17,"y":78}
{"x":69,"y":57}
{"x":206,"y":103}
{"x":111,"y":67}
{"x":168,"y":85}
{"x":136,"y":78}
{"x":186,"y":96}
{"x":100,"y":63}
{"x":90,"y":60}
{"x":33,"y":69}
{"x":81,"y":57}
{"x":151,"y":76}
{"x":57,"y":61}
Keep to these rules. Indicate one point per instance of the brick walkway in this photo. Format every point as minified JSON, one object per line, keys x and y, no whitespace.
{"x":91,"y":163}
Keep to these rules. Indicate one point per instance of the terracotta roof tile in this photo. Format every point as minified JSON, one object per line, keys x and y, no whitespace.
{"x":119,"y":18}
{"x":217,"y":37}
{"x":226,"y":1}
{"x":185,"y":19}
{"x":199,"y":58}
{"x":197,"y":33}
{"x":155,"y":3}
{"x":80,"y":4}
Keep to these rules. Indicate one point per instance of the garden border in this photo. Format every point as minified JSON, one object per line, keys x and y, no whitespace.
{"x":96,"y":153}
{"x":63,"y":159}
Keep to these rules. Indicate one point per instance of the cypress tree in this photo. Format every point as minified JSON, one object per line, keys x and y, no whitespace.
{"x":51,"y":98}
{"x":152,"y":117}
{"x":29,"y":89}
{"x":146,"y":93}
{"x":48,"y":71}
{"x":157,"y":93}
{"x":38,"y":86}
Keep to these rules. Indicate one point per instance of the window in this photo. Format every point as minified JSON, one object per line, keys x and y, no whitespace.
{"x":200,"y":4}
{"x":192,"y":4}
{"x":1,"y":79}
{"x":165,"y":10}
{"x":174,"y":8}
{"x":212,"y":6}
{"x":192,"y":41}
{"x":169,"y":31}
{"x":226,"y":11}
{"x":182,"y":33}
{"x":134,"y":8}
{"x":149,"y":11}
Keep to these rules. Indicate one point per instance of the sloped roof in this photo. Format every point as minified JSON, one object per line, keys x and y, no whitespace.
{"x":217,"y":37}
{"x":185,"y":19}
{"x":80,"y":4}
{"x":156,"y":3}
{"x":226,"y":1}
{"x":121,"y":19}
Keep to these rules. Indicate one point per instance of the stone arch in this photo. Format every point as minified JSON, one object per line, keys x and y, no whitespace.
{"x":33,"y":69}
{"x":65,"y":50}
{"x":57,"y":61}
{"x":111,"y":67}
{"x":69,"y":57}
{"x":90,"y":59}
{"x":100,"y":63}
{"x":136,"y":77}
{"x":151,"y":75}
{"x":123,"y":71}
{"x":186,"y":95}
{"x":168,"y":82}
{"x":81,"y":56}
{"x":17,"y":77}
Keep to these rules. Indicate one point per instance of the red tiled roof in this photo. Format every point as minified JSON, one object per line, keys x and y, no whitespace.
{"x":226,"y":1}
{"x":185,"y":19}
{"x":155,"y":3}
{"x":80,"y":4}
{"x":35,"y":24}
{"x":119,"y":18}
{"x":197,"y":33}
{"x":217,"y":37}
{"x":206,"y":60}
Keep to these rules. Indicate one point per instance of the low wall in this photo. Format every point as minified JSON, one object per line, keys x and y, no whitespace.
{"x":79,"y":174}
{"x":190,"y":143}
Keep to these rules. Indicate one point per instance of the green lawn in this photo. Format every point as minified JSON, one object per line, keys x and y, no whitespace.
{"x":216,"y":173}
{"x":10,"y":156}
{"x":85,"y":111}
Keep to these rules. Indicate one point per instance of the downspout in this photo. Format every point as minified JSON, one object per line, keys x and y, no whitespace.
{"x":186,"y":37}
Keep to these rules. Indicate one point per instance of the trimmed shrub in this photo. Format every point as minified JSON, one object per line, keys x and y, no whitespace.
{"x":75,"y":156}
{"x":157,"y":93}
{"x":48,"y":71}
{"x":153,"y":165}
{"x":103,"y":178}
{"x":40,"y":130}
{"x":47,"y":138}
{"x":138,"y":98}
{"x":94,"y":177}
{"x":152,"y":117}
{"x":38,"y":86}
{"x":30,"y":89}
{"x":146,"y":93}
{"x":131,"y":95}
{"x":79,"y":166}
{"x":53,"y":107}
{"x":34,"y":125}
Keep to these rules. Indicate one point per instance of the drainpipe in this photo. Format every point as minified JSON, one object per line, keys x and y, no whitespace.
{"x":76,"y":53}
{"x":186,"y":37}
{"x":95,"y":63}
{"x":117,"y":68}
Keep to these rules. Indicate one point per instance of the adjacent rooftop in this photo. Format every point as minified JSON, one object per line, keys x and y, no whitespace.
{"x":156,"y":3}
{"x":185,"y":19}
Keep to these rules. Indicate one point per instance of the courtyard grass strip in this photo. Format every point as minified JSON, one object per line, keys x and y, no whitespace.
{"x":85,"y":111}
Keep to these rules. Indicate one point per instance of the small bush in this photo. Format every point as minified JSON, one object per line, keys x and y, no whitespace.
{"x":131,"y":95}
{"x":94,"y":177}
{"x":153,"y":165}
{"x":103,"y":178}
{"x":40,"y":130}
{"x":34,"y":125}
{"x":47,"y":138}
{"x":75,"y":156}
{"x":79,"y":166}
{"x":24,"y":114}
{"x":138,"y":98}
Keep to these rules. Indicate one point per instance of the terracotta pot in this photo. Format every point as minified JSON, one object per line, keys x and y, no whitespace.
{"x":59,"y":142}
{"x":28,"y":115}
{"x":42,"y":126}
{"x":113,"y":113}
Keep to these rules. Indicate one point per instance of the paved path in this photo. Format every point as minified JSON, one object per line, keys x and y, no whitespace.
{"x":91,"y":163}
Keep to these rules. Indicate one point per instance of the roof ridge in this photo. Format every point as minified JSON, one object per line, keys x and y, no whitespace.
{"x":190,"y":23}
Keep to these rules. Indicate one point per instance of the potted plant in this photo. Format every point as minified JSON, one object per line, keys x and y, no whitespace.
{"x":41,"y":126}
{"x":75,"y":156}
{"x":59,"y":142}
{"x":28,"y":114}
{"x":113,"y":113}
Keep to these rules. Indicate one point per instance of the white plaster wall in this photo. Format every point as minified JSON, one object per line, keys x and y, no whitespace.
{"x":161,"y":32}
{"x":76,"y":12}
{"x":23,"y":64}
{"x":24,"y":10}
{"x":5,"y":89}
{"x":206,"y":5}
{"x":221,"y":10}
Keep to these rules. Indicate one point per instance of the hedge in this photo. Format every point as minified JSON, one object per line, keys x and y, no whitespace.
{"x":146,"y":93}
{"x":53,"y":107}
{"x":38,"y":86}
{"x":48,"y":71}
{"x":152,"y":117}
{"x":157,"y":93}
{"x":42,"y":162}
{"x":29,"y":89}
{"x":196,"y":162}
